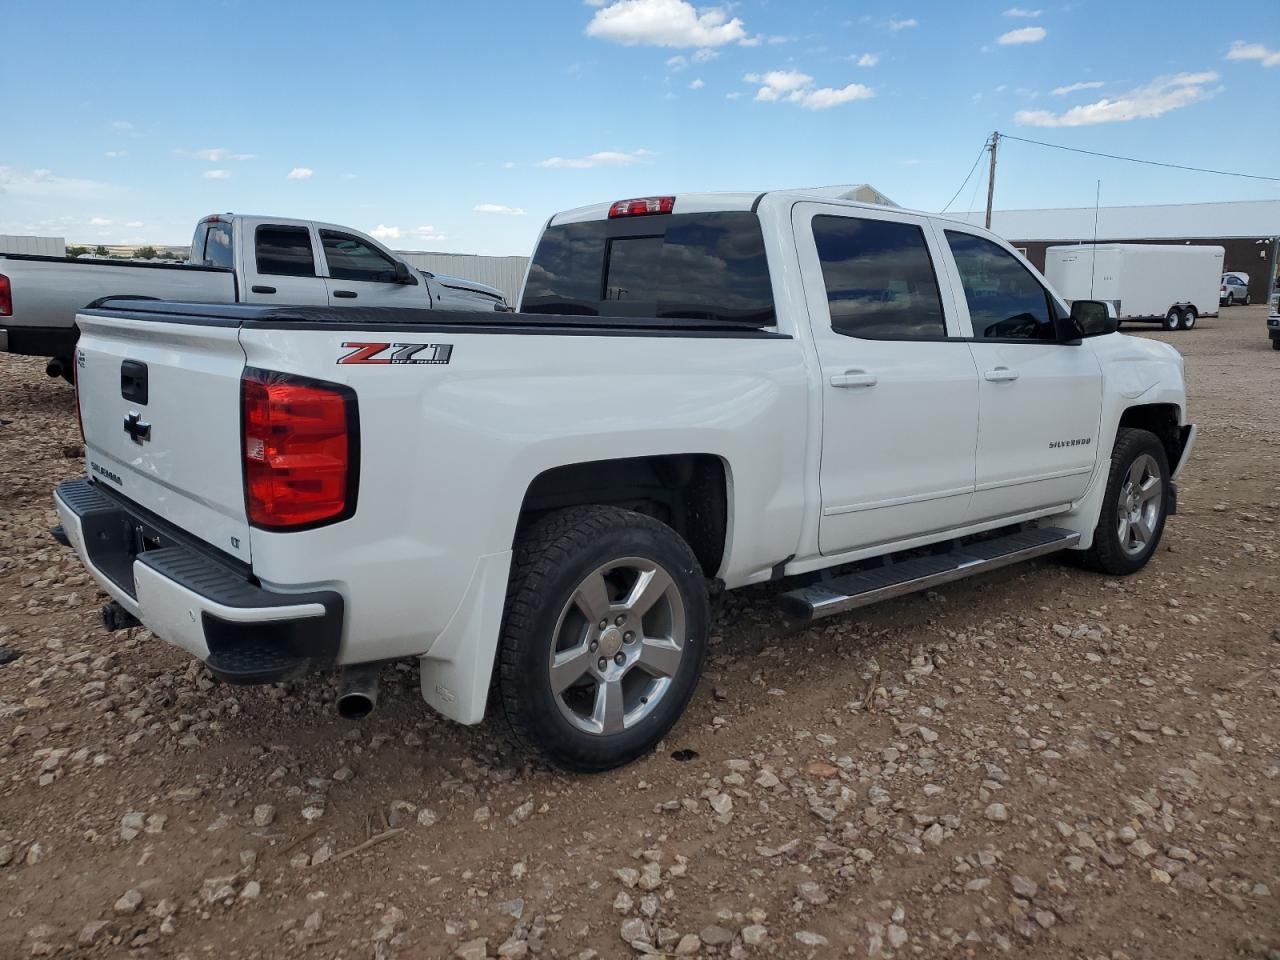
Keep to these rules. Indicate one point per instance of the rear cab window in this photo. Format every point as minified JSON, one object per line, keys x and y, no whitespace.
{"x":211,"y":246}
{"x":696,"y":266}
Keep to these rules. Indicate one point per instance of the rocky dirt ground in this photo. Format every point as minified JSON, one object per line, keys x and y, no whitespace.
{"x":1042,"y":762}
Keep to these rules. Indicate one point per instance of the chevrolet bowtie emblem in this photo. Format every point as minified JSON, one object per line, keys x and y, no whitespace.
{"x":137,"y":428}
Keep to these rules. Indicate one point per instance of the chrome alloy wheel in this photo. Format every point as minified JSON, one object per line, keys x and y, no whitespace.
{"x":1140,"y":504}
{"x":618,"y":645}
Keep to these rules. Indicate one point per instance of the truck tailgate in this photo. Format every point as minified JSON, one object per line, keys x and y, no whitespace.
{"x":160,"y":404}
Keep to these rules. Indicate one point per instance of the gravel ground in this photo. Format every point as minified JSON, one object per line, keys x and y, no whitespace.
{"x":1040,"y":762}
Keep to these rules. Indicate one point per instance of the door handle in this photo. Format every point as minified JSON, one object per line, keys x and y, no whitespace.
{"x":259,"y":288}
{"x":1001,"y":375}
{"x":854,"y":378}
{"x":345,"y":294}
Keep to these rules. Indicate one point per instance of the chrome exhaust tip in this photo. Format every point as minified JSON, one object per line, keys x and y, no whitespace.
{"x":358,"y":690}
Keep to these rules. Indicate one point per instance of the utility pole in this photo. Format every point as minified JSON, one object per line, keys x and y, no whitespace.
{"x":991,"y":180}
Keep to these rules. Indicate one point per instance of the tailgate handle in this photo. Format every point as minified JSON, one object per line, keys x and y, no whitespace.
{"x":133,"y":381}
{"x":259,"y":288}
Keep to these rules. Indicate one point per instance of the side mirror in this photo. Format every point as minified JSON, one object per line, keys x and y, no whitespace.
{"x":404,"y":274}
{"x":1093,"y":318}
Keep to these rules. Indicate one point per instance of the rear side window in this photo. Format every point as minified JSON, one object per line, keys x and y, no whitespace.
{"x":698,"y":266}
{"x":353,"y":259}
{"x":879,"y":278}
{"x":1005,"y":301}
{"x":284,"y":251}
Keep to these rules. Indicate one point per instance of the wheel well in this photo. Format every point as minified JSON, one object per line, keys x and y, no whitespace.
{"x":686,"y":491}
{"x":1162,"y":420}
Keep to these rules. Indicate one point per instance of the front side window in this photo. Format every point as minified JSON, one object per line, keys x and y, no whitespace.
{"x":879,"y":278}
{"x":1005,"y":301}
{"x":282,"y":251}
{"x":353,"y":259}
{"x":698,"y":266}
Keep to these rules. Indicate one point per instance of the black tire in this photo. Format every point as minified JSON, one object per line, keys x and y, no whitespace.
{"x":552,"y":558}
{"x":1173,"y":319}
{"x":1245,"y":301}
{"x":1189,"y":317}
{"x":1275,"y":344}
{"x":1107,"y":555}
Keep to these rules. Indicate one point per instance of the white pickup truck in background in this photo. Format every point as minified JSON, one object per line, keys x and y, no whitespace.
{"x":717,"y":389}
{"x":234,"y":259}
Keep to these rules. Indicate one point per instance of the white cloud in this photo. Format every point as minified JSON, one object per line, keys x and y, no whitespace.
{"x":427,"y":233}
{"x":603,"y":158}
{"x":751,"y":41}
{"x":217,"y":174}
{"x":868,"y":59}
{"x":214,"y":154}
{"x":796,"y":87}
{"x":116,"y":154}
{"x":678,"y":62}
{"x":906,"y":24}
{"x":705,"y":54}
{"x":123,"y":125}
{"x":664,"y":23}
{"x":1151,"y":100}
{"x":42,"y":184}
{"x":1254,"y":51}
{"x":1022,"y":12}
{"x":383,"y":232}
{"x":99,"y":222}
{"x":135,"y":224}
{"x":825,"y":97}
{"x":300,"y":173}
{"x":498,"y":208}
{"x":349,"y":176}
{"x":777,"y":83}
{"x":733,"y":95}
{"x":508,"y":165}
{"x":697,"y":84}
{"x":1074,"y":87}
{"x":1022,"y":35}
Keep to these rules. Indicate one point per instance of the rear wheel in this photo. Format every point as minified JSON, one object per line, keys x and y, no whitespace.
{"x":1189,"y":317}
{"x":1133,"y":509}
{"x":1275,"y":344}
{"x":604,"y":636}
{"x":1172,"y":319}
{"x":1245,"y":301}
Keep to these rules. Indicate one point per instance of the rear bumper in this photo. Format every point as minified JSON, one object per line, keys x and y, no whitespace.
{"x":188,"y":596}
{"x":38,"y":341}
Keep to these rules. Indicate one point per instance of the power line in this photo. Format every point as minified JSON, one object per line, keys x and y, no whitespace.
{"x":966,"y":179}
{"x":1153,"y":163}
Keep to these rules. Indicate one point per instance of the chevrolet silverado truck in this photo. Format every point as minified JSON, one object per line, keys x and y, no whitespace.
{"x":234,"y":259}
{"x":697,"y":393}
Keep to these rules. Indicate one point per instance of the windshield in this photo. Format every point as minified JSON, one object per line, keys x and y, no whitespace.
{"x":700,"y":266}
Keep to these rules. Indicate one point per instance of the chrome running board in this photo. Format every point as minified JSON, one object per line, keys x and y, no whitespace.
{"x":922,"y":573}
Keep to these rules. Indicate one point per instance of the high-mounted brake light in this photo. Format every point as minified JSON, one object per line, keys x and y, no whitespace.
{"x":6,"y":297}
{"x":641,"y":207}
{"x":301,"y":450}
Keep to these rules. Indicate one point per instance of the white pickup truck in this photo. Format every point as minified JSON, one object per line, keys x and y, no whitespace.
{"x":714,"y":389}
{"x":234,"y":259}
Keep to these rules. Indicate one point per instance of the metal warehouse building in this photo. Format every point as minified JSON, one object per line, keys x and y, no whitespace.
{"x":505,"y":273}
{"x":38,"y":246}
{"x":1249,"y":231}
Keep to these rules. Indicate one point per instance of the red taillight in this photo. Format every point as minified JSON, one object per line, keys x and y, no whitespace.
{"x":641,"y":207}
{"x":6,"y":297}
{"x":301,"y":450}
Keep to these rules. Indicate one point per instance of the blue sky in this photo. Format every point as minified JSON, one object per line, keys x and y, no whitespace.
{"x":462,"y":126}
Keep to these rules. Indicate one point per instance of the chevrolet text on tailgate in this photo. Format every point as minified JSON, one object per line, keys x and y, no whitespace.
{"x":714,"y":389}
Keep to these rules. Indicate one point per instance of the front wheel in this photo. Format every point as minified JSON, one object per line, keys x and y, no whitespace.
{"x":604,"y":636}
{"x":1245,"y":301}
{"x":1133,"y":508}
{"x":1172,"y":318}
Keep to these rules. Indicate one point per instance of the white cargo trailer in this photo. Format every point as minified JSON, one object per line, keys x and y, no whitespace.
{"x":1162,"y":283}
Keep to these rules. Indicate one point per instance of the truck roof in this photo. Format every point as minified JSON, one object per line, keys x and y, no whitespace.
{"x":716,"y":201}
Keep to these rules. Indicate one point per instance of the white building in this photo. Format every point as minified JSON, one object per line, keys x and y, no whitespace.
{"x":38,"y":246}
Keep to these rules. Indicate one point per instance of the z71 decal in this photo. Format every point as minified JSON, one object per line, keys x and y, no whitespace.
{"x":396,"y":353}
